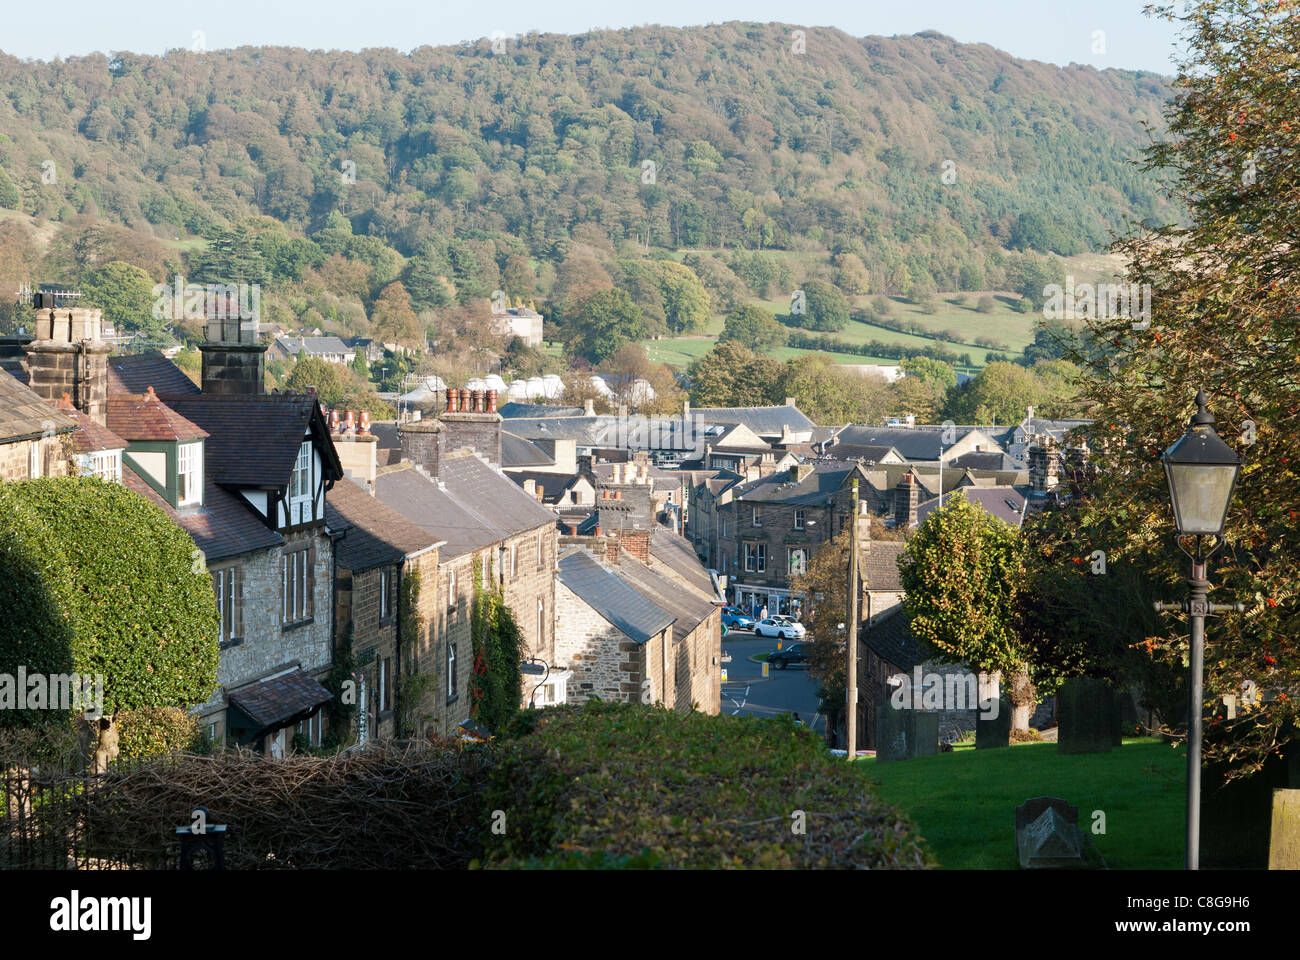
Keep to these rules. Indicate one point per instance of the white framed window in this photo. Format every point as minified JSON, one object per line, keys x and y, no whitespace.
{"x":227,"y":584}
{"x":385,"y":585}
{"x":298,"y":575}
{"x":451,"y":669}
{"x":34,"y":460}
{"x":189,"y":473}
{"x":451,"y":588}
{"x":383,"y":684}
{"x":514,"y":560}
{"x":300,"y":492}
{"x":798,"y":561}
{"x":541,"y":622}
{"x":540,"y":556}
{"x":755,"y":517}
{"x":798,"y":519}
{"x":755,"y":557}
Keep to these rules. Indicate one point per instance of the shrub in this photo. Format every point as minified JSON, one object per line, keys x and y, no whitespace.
{"x":986,"y":304}
{"x":154,"y":730}
{"x":1026,"y":736}
{"x":611,"y":784}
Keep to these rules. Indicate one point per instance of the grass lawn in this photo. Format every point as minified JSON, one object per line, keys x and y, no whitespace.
{"x":964,"y":802}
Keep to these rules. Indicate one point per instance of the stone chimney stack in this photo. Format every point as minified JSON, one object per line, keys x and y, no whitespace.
{"x":422,"y":444}
{"x":474,"y":423}
{"x":234,"y":361}
{"x":589,"y":407}
{"x":906,"y":497}
{"x":69,"y":356}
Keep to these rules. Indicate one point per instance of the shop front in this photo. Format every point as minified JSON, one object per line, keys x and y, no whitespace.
{"x":776,"y":601}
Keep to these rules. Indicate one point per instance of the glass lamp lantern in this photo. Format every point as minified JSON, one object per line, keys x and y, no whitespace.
{"x":1202,"y":473}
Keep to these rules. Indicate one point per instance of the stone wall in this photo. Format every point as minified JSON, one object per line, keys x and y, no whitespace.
{"x":15,"y":458}
{"x":605,"y":663}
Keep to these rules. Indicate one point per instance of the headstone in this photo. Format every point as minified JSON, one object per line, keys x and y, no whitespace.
{"x":993,"y":732}
{"x":905,"y":734}
{"x":1284,"y":833}
{"x":1235,"y":814}
{"x":1087,"y":716}
{"x":1048,"y":835}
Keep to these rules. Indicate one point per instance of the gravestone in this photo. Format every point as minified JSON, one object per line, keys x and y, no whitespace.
{"x":993,"y":732}
{"x":1087,"y":716}
{"x":905,"y":734}
{"x":1048,"y":835}
{"x":1284,"y":833}
{"x":1236,"y":814}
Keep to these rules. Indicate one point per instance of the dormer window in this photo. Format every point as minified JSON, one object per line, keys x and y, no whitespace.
{"x":189,"y":474}
{"x":300,"y":493}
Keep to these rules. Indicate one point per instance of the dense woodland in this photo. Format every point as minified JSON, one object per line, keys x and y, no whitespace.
{"x":630,"y":184}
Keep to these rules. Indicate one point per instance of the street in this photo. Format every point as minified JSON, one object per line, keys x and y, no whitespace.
{"x":748,"y":692}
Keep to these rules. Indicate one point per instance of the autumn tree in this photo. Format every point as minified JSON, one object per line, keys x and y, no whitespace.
{"x":732,"y":375}
{"x":393,"y":317}
{"x":1225,"y":317}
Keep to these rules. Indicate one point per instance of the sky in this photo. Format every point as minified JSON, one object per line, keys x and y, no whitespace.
{"x":1102,"y":33}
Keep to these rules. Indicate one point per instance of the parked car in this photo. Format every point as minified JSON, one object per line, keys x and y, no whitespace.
{"x":781,"y":628}
{"x":795,"y":653}
{"x":737,"y":618}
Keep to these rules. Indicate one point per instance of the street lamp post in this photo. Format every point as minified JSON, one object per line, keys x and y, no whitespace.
{"x":1202,"y":474}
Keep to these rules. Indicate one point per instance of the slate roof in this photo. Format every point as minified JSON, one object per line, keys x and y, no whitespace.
{"x":630,"y":611}
{"x":893,"y":641}
{"x":984,"y":460}
{"x":687,"y":607}
{"x":823,"y":481}
{"x":676,"y":553}
{"x":880,"y":568}
{"x":278,"y":699}
{"x":223,"y":527}
{"x":554,"y":485}
{"x":24,"y":415}
{"x":518,"y":452}
{"x":143,"y":417}
{"x":914,"y":443}
{"x":512,"y":411}
{"x":376,"y":534}
{"x":312,"y":346}
{"x":137,"y":372}
{"x":470,"y":505}
{"x":870,"y":452}
{"x":254,"y":440}
{"x":764,"y":421}
{"x":1005,"y":503}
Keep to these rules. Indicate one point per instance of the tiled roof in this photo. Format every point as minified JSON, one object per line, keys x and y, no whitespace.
{"x":1005,"y":503}
{"x":143,"y":417}
{"x":254,"y":440}
{"x":511,"y":411}
{"x":90,"y":436}
{"x":676,"y":553}
{"x":137,"y":372}
{"x":870,"y":452}
{"x":880,"y":568}
{"x":23,"y":414}
{"x":893,"y":642}
{"x":553,"y":485}
{"x":764,"y":421}
{"x":518,"y":452}
{"x":688,"y":607}
{"x":470,"y":505}
{"x":984,"y":460}
{"x":613,"y":598}
{"x":280,"y":699}
{"x":823,"y":481}
{"x":376,"y":534}
{"x":223,"y":527}
{"x":312,"y":345}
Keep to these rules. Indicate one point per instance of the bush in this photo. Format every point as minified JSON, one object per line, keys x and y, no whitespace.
{"x":622,"y":785}
{"x":154,"y":730}
{"x":1026,"y":736}
{"x":986,"y":304}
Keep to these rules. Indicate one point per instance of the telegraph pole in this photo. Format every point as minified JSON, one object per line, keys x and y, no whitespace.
{"x":852,"y":637}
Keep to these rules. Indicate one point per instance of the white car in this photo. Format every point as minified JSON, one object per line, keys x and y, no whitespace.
{"x":783,"y":628}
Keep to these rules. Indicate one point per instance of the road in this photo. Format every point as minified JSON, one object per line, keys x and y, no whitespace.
{"x":748,"y":693}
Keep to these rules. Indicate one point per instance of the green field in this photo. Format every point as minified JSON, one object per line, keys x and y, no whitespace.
{"x":964,"y":802}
